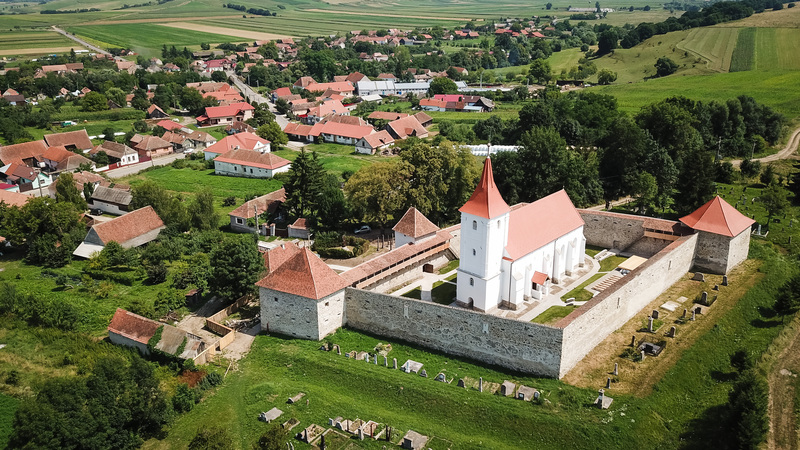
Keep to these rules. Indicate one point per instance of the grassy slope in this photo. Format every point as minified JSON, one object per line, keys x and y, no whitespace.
{"x":7,"y":407}
{"x":10,"y":40}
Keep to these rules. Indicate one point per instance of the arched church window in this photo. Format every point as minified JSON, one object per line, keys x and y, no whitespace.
{"x":472,"y":282}
{"x":474,"y":224}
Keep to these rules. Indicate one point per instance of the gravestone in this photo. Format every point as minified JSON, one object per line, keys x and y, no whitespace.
{"x":724,"y":280}
{"x":654,"y":315}
{"x":536,"y":396}
{"x":385,"y":361}
{"x":698,"y":310}
{"x":347,"y":355}
{"x":440,"y":377}
{"x":684,"y":313}
{"x":376,"y":359}
{"x":603,"y":401}
{"x":338,"y":349}
{"x":394,"y":363}
{"x":461,"y":383}
{"x":716,"y":287}
{"x":633,"y":341}
{"x":698,"y":276}
{"x":423,"y":373}
{"x":608,"y":383}
{"x":642,"y":355}
{"x":480,"y":384}
{"x":366,"y":357}
{"x":616,"y":369}
{"x":693,"y":313}
{"x":704,"y":297}
{"x":361,"y":434}
{"x":672,"y":332}
{"x":507,"y":388}
{"x":650,"y":324}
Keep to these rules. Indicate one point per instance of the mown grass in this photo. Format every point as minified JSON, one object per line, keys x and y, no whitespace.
{"x":34,"y":39}
{"x":278,"y":368}
{"x":335,"y":159}
{"x":743,"y":57}
{"x":611,"y":263}
{"x":580,"y":294}
{"x":443,"y":292}
{"x":8,"y":406}
{"x":452,"y":265}
{"x":553,"y":313}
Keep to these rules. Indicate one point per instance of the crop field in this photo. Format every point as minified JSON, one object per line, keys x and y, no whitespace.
{"x":713,"y":44}
{"x":777,"y":48}
{"x":769,"y":88}
{"x":147,"y":38}
{"x":34,"y":43}
{"x":744,"y":53}
{"x":785,"y":18}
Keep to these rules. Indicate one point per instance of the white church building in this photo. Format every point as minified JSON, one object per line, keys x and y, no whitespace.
{"x":512,"y":254}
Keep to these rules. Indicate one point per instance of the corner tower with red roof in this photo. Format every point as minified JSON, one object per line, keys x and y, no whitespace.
{"x":484,"y":235}
{"x":723,"y":239}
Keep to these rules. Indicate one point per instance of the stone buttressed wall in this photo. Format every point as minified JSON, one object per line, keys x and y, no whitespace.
{"x":719,"y":254}
{"x":301,"y":317}
{"x":516,"y":345}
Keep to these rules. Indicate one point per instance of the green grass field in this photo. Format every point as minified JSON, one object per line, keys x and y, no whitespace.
{"x":713,"y":44}
{"x":744,"y":53}
{"x":553,"y":314}
{"x":11,"y":42}
{"x":7,"y":407}
{"x":580,"y":293}
{"x":335,"y":158}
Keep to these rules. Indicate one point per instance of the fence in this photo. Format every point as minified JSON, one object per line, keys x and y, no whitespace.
{"x":214,"y":323}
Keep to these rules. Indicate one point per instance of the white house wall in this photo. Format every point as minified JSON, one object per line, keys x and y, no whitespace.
{"x":241,"y":170}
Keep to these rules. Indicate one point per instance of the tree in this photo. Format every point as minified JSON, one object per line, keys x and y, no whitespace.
{"x":282,"y":106}
{"x":665,"y":66}
{"x":548,"y":6}
{"x":788,"y":299}
{"x":170,"y":208}
{"x":213,"y":438}
{"x":607,"y":41}
{"x":236,"y":265}
{"x":377,"y":192}
{"x":767,"y":176}
{"x":540,"y":70}
{"x":775,"y":200}
{"x":304,"y":185}
{"x":274,"y":438}
{"x":272,"y":132}
{"x":606,"y":76}
{"x":66,"y":191}
{"x":750,"y":167}
{"x":219,"y":76}
{"x":748,"y":403}
{"x":644,"y":190}
{"x":695,"y":181}
{"x":442,"y":85}
{"x":204,"y":216}
{"x":94,"y":101}
{"x":543,"y":156}
{"x":332,"y":207}
{"x":116,"y":95}
{"x":108,"y":134}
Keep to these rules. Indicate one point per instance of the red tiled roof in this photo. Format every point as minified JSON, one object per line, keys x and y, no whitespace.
{"x":282,"y":92}
{"x":340,"y":86}
{"x":275,"y":257}
{"x":300,"y":224}
{"x":245,"y":140}
{"x":133,"y":326}
{"x":415,"y":224}
{"x":407,"y":126}
{"x":355,"y":77}
{"x":298,"y":129}
{"x":387,"y":76}
{"x":304,"y":81}
{"x":151,"y":143}
{"x":126,"y":227}
{"x":154,"y":108}
{"x":252,"y":158}
{"x":305,"y":275}
{"x":379,"y":139}
{"x":341,"y":118}
{"x":718,"y":217}
{"x":57,"y":154}
{"x":269,"y":202}
{"x":386,"y":115}
{"x":79,"y":139}
{"x":536,"y":224}
{"x":433,"y":102}
{"x":539,"y":278}
{"x":17,"y":152}
{"x":345,"y":130}
{"x":327,"y":108}
{"x":227,"y":111}
{"x":448,"y":97}
{"x":486,"y":200}
{"x":169,"y":125}
{"x":13,"y":198}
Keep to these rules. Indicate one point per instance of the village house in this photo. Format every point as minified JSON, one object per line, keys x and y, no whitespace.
{"x":299,"y":229}
{"x":250,"y":164}
{"x":317,"y":113}
{"x":13,"y":198}
{"x":117,"y":153}
{"x":71,"y":140}
{"x":239,"y":127}
{"x":374,"y":142}
{"x":424,"y":119}
{"x":245,"y":140}
{"x":343,"y":87}
{"x":150,"y":146}
{"x":130,"y":230}
{"x":384,"y":115}
{"x":59,"y":159}
{"x":405,"y":127}
{"x":303,"y":82}
{"x":111,"y":200}
{"x":26,"y":178}
{"x":342,"y":133}
{"x":25,"y":154}
{"x":154,"y":112}
{"x":270,"y":203}
{"x":221,"y":115}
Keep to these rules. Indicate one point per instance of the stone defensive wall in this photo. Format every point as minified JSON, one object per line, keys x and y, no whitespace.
{"x":590,"y":323}
{"x":644,"y":236}
{"x":516,"y":345}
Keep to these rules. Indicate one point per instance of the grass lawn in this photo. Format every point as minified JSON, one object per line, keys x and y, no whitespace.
{"x":188,"y":181}
{"x":611,"y":263}
{"x":335,"y":158}
{"x":414,"y":293}
{"x":443,"y":292}
{"x":553,"y":313}
{"x":580,"y":293}
{"x":278,"y":368}
{"x":7,"y":407}
{"x":592,"y":250}
{"x":452,"y":265}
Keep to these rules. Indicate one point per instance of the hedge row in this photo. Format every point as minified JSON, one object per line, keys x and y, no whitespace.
{"x":111,"y":114}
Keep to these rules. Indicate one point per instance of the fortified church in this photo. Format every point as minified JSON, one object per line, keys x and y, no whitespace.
{"x":510,"y":257}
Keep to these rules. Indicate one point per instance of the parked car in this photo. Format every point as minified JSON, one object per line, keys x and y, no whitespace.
{"x":363,"y":229}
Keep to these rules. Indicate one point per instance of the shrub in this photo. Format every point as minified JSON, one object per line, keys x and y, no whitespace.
{"x":327,"y":239}
{"x":184,"y":398}
{"x":336,"y":253}
{"x":214,"y":379}
{"x":229,"y":201}
{"x":360,"y":245}
{"x":113,"y":114}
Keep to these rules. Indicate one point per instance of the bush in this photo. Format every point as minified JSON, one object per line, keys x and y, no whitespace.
{"x":750,"y":168}
{"x":327,"y":239}
{"x":214,"y":379}
{"x":113,"y":114}
{"x":184,"y":398}
{"x":336,"y":253}
{"x":229,"y":201}
{"x":126,"y":277}
{"x":360,"y":245}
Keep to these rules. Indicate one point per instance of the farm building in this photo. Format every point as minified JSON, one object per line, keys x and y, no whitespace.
{"x":130,"y":230}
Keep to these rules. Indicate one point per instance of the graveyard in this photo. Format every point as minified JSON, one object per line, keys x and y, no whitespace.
{"x":649,"y":396}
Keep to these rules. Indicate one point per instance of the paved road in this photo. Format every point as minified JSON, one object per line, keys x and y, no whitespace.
{"x":786,"y":153}
{"x":80,"y":41}
{"x":136,"y":168}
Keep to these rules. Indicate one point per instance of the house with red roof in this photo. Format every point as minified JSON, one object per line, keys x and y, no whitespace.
{"x":342,"y":133}
{"x":250,"y":164}
{"x":244,"y":140}
{"x":413,"y":228}
{"x":342,"y":87}
{"x":133,"y":330}
{"x":59,"y":159}
{"x":325,"y":109}
{"x":130,"y":230}
{"x":405,"y":127}
{"x":374,"y":142}
{"x":504,"y":249}
{"x":222,"y":115}
{"x":723,"y":239}
{"x":269,"y":203}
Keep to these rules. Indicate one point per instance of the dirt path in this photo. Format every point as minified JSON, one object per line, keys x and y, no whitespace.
{"x":782,"y":382}
{"x":786,"y":153}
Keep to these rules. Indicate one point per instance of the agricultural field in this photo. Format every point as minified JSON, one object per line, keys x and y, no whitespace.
{"x":712,"y":44}
{"x":743,"y":57}
{"x":17,"y":42}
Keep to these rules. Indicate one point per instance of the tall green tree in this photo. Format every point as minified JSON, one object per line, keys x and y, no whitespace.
{"x":378,"y":192}
{"x":748,"y":404}
{"x":66,"y":191}
{"x":305,"y":182}
{"x":272,"y":132}
{"x":775,"y":199}
{"x":695,"y":184}
{"x":236,"y":265}
{"x":443,"y":85}
{"x":204,"y":215}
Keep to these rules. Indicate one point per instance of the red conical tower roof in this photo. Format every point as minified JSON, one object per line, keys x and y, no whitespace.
{"x":718,"y":217}
{"x":486,"y":201}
